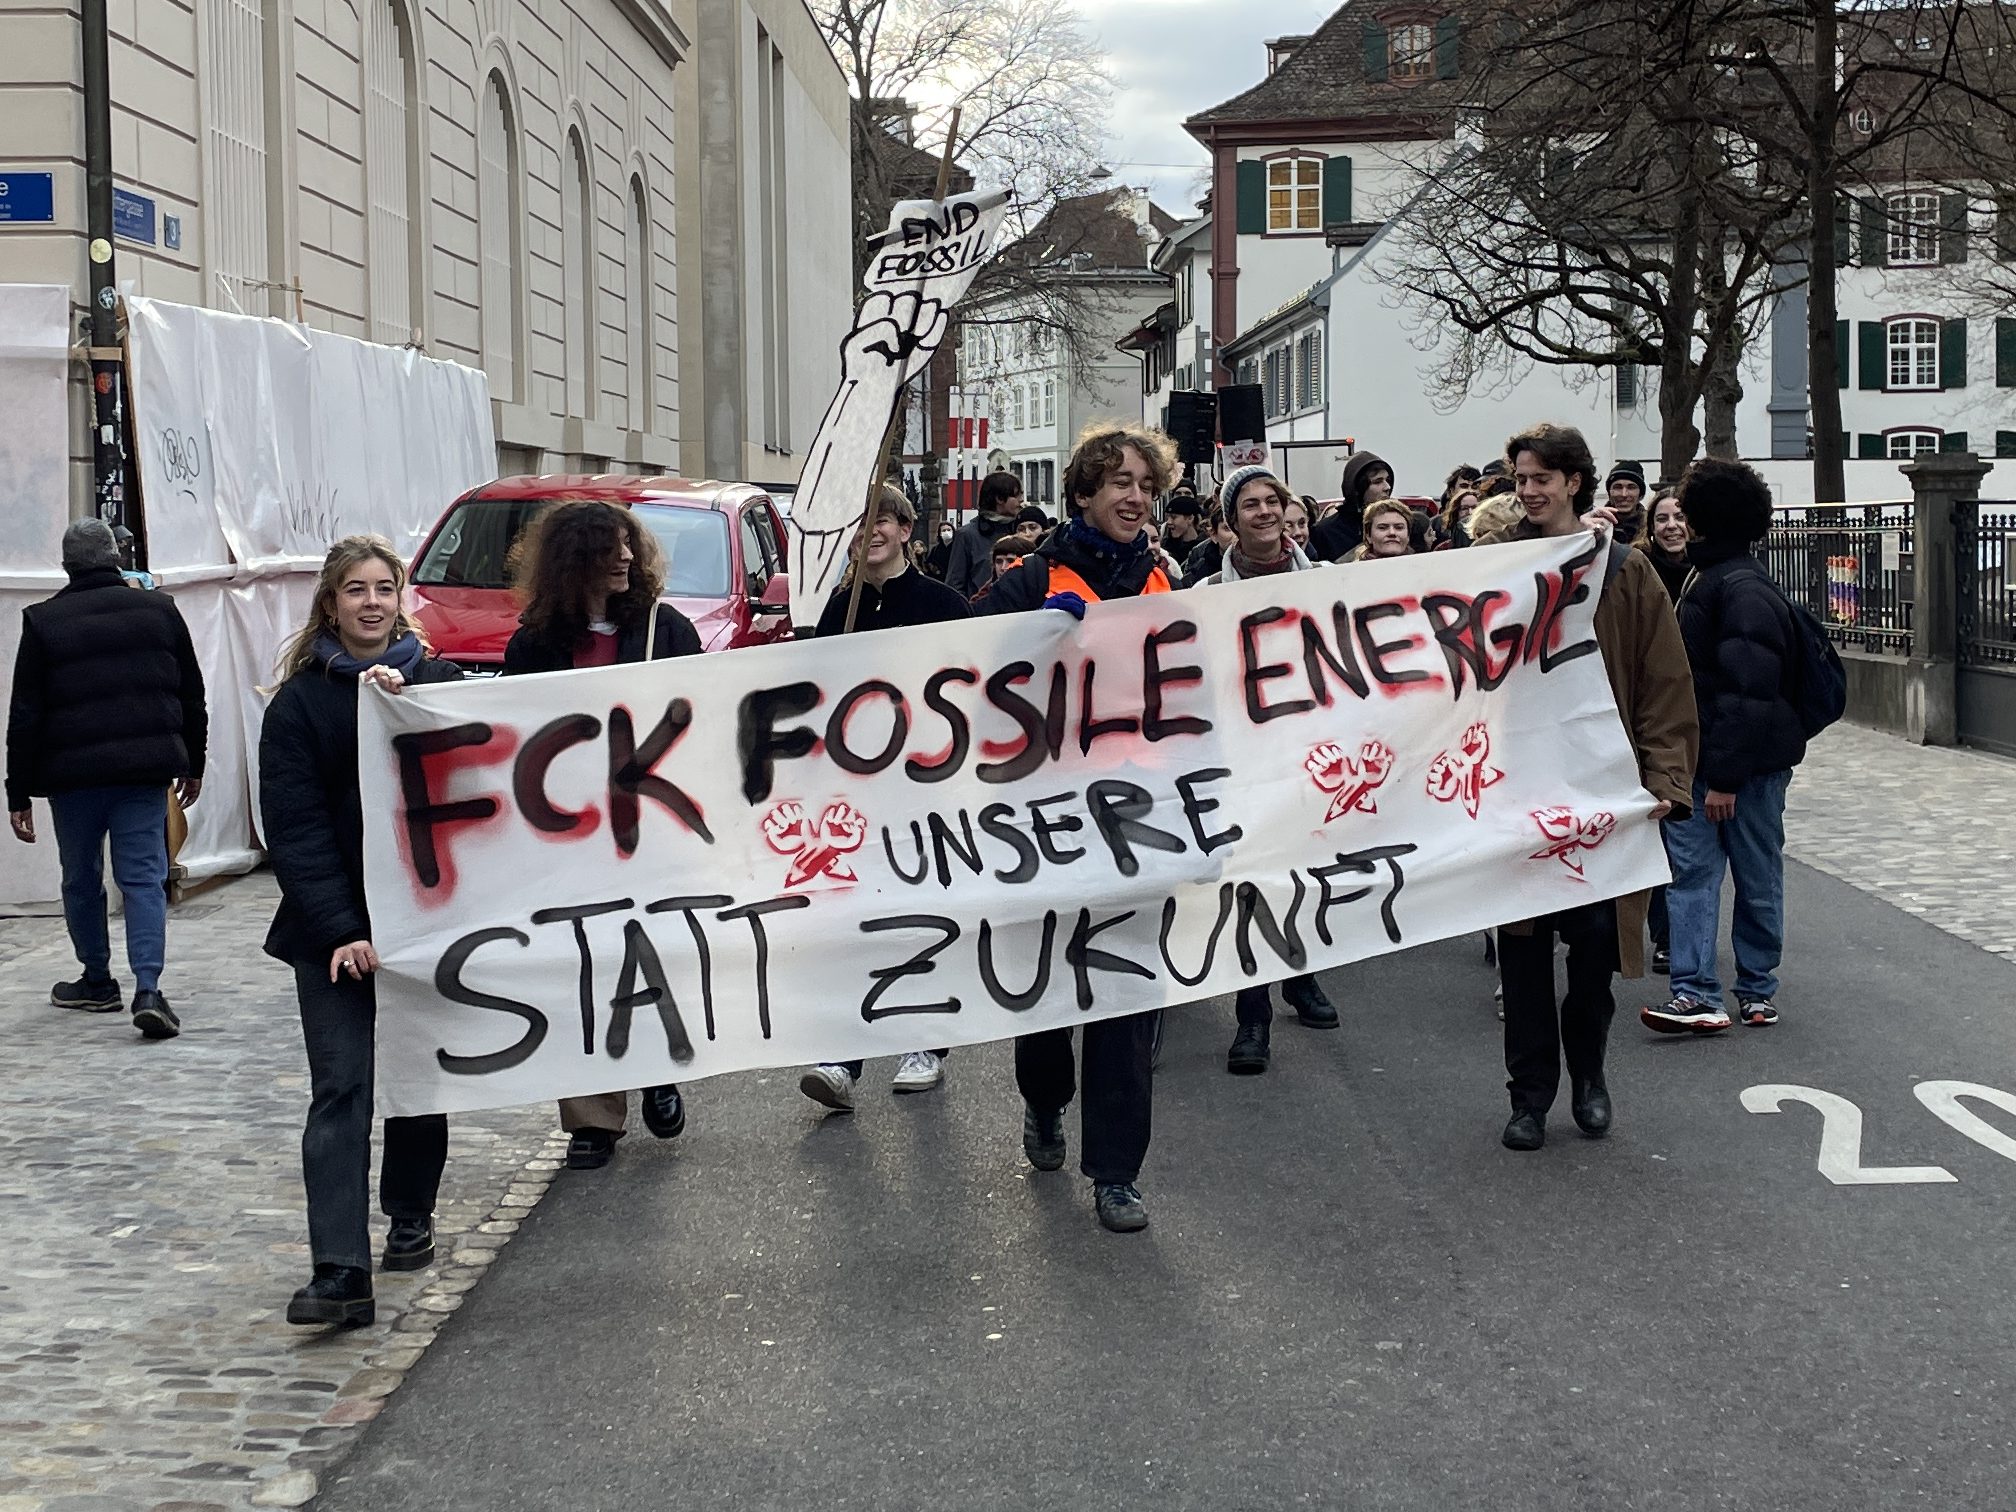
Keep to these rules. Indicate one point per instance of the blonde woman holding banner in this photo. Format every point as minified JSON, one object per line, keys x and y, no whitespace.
{"x":358,"y":635}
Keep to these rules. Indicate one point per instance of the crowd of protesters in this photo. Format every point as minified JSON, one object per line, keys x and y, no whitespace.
{"x":1702,"y":654}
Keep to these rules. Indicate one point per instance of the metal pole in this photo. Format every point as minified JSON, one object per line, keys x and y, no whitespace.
{"x":108,"y":441}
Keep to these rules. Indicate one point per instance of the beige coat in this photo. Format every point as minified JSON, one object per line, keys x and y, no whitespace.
{"x":1639,"y":639}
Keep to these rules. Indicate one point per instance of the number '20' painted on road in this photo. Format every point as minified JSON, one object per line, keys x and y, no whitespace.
{"x":1841,"y":1128}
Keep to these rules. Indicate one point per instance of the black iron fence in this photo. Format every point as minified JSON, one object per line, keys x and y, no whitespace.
{"x":1984,"y":533}
{"x":1851,"y":565}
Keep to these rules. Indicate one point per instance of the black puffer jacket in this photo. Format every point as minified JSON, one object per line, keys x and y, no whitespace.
{"x":529,"y":651}
{"x":107,"y":692}
{"x":1743,"y":646}
{"x":312,"y":814}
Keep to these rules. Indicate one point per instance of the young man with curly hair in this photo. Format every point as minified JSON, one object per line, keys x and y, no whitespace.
{"x":1744,"y":649}
{"x":1103,"y":552}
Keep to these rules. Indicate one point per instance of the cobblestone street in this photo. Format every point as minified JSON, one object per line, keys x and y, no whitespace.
{"x":151,"y":1223}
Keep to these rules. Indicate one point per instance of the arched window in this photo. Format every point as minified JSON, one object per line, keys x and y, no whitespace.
{"x":577,"y":272}
{"x":637,"y":292}
{"x":1295,"y":194}
{"x":395,"y":173}
{"x":501,"y":223}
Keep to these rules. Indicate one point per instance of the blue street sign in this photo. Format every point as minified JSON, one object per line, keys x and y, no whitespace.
{"x":27,"y":196}
{"x":132,"y":216}
{"x":171,"y":232}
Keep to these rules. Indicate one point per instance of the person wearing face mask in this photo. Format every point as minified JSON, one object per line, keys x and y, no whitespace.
{"x":589,"y":578}
{"x":1102,"y":552}
{"x":1367,"y":479}
{"x":1388,"y":531}
{"x":939,"y":557}
{"x":1645,"y":659}
{"x":357,"y":634}
{"x":1257,"y":504}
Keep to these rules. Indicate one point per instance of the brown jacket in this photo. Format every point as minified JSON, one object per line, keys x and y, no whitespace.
{"x":1639,"y":639}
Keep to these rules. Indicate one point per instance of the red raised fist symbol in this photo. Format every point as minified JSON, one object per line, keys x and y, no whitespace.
{"x":1352,"y":782}
{"x":1462,"y":775}
{"x":816,"y":851}
{"x":842,"y":827}
{"x":785,"y":828}
{"x":1566,"y":834}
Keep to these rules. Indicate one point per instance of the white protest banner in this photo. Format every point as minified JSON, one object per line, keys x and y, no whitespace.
{"x":925,"y":262}
{"x":585,"y":881}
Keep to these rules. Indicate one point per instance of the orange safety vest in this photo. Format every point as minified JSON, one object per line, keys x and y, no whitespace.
{"x":1066,"y":580}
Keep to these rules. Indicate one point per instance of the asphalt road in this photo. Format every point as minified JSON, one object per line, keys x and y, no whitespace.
{"x":1351,"y":1296}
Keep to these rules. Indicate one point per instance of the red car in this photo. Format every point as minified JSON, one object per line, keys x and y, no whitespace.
{"x":724,"y":560}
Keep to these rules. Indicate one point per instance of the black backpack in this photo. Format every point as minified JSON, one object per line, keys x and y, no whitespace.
{"x":1815,"y":684}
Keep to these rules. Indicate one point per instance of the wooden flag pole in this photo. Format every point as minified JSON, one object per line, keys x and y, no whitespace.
{"x":876,"y":478}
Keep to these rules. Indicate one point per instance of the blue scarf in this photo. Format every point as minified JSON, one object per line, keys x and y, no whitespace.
{"x":402,"y":656}
{"x":1103,"y":548}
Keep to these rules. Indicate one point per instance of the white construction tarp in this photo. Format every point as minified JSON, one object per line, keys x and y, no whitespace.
{"x":593,"y":880}
{"x":260,"y":443}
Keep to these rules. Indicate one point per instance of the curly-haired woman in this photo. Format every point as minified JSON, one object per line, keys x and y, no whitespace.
{"x":589,"y":577}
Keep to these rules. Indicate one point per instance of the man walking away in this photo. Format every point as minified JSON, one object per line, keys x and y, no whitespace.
{"x":972,"y":549}
{"x":1555,"y":477}
{"x":1744,"y":649}
{"x":107,"y":712}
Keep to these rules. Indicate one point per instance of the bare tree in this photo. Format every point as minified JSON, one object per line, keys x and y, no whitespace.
{"x":1592,"y":218}
{"x":1031,"y":88}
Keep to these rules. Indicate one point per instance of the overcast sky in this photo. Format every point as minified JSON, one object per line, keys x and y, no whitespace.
{"x":1174,"y":58}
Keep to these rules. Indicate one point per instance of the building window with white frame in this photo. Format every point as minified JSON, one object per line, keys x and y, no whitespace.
{"x":1911,"y":443}
{"x":502,"y":226}
{"x":1049,"y":401}
{"x":1914,"y":354}
{"x":1411,"y":51}
{"x":394,"y":167}
{"x":1295,"y":194}
{"x":1914,"y":228}
{"x":1021,"y":408}
{"x":237,"y":115}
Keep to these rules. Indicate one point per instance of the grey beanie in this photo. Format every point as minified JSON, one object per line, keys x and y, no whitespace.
{"x":1238,"y":478}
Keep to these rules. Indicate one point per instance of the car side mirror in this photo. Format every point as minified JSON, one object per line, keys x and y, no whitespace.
{"x":776,"y":596}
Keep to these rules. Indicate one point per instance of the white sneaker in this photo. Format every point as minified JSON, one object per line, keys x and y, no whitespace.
{"x":919,"y":1071}
{"x":829,"y":1086}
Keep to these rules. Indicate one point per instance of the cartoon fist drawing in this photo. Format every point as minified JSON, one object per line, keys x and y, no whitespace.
{"x":893,"y":331}
{"x":842,"y":828}
{"x":1352,"y":782}
{"x":785,"y":828}
{"x":1462,"y":775}
{"x":1566,"y":834}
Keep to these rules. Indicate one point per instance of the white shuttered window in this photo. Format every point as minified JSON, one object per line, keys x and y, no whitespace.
{"x":637,"y":294}
{"x":391,"y":120}
{"x":577,"y":269}
{"x":499,"y":219}
{"x":233,"y":82}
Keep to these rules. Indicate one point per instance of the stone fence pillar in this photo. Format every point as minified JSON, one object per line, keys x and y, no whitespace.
{"x":1940,"y":483}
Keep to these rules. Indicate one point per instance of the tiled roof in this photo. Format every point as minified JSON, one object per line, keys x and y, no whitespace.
{"x":1324,"y":78}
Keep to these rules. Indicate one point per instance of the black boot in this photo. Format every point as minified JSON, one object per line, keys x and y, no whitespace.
{"x":410,"y":1245}
{"x":1305,"y":995}
{"x":590,"y":1149}
{"x":664,"y":1111}
{"x":1043,"y":1138}
{"x":339,"y":1294}
{"x":1590,"y":1104}
{"x":1250,"y":1051}
{"x":1526,"y":1131}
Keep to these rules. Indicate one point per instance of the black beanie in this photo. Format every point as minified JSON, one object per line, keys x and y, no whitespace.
{"x":1629,"y":470}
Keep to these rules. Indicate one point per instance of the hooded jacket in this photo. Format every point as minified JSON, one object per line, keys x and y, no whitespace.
{"x":1337,"y":535}
{"x":1743,"y":647}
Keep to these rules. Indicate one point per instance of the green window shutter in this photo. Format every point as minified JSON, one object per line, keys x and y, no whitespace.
{"x":1627,"y":386}
{"x":2005,"y":443}
{"x":1448,"y":47}
{"x":1251,"y":218}
{"x":1844,"y":356}
{"x":1867,"y":445}
{"x":1337,"y":191}
{"x":2005,"y":352}
{"x":1875,"y":234}
{"x":1953,"y":441}
{"x":1952,"y":354}
{"x":1953,"y":228}
{"x":1375,"y":53}
{"x":1875,"y":344}
{"x":1844,"y":232}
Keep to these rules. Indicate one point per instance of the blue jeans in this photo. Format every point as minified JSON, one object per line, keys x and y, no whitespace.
{"x":1751,"y":846}
{"x":137,"y":820}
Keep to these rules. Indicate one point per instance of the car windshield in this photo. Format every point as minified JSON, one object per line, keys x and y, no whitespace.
{"x":472,"y":550}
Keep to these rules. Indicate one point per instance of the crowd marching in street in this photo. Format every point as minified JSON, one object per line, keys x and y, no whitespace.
{"x":1717,"y":683}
